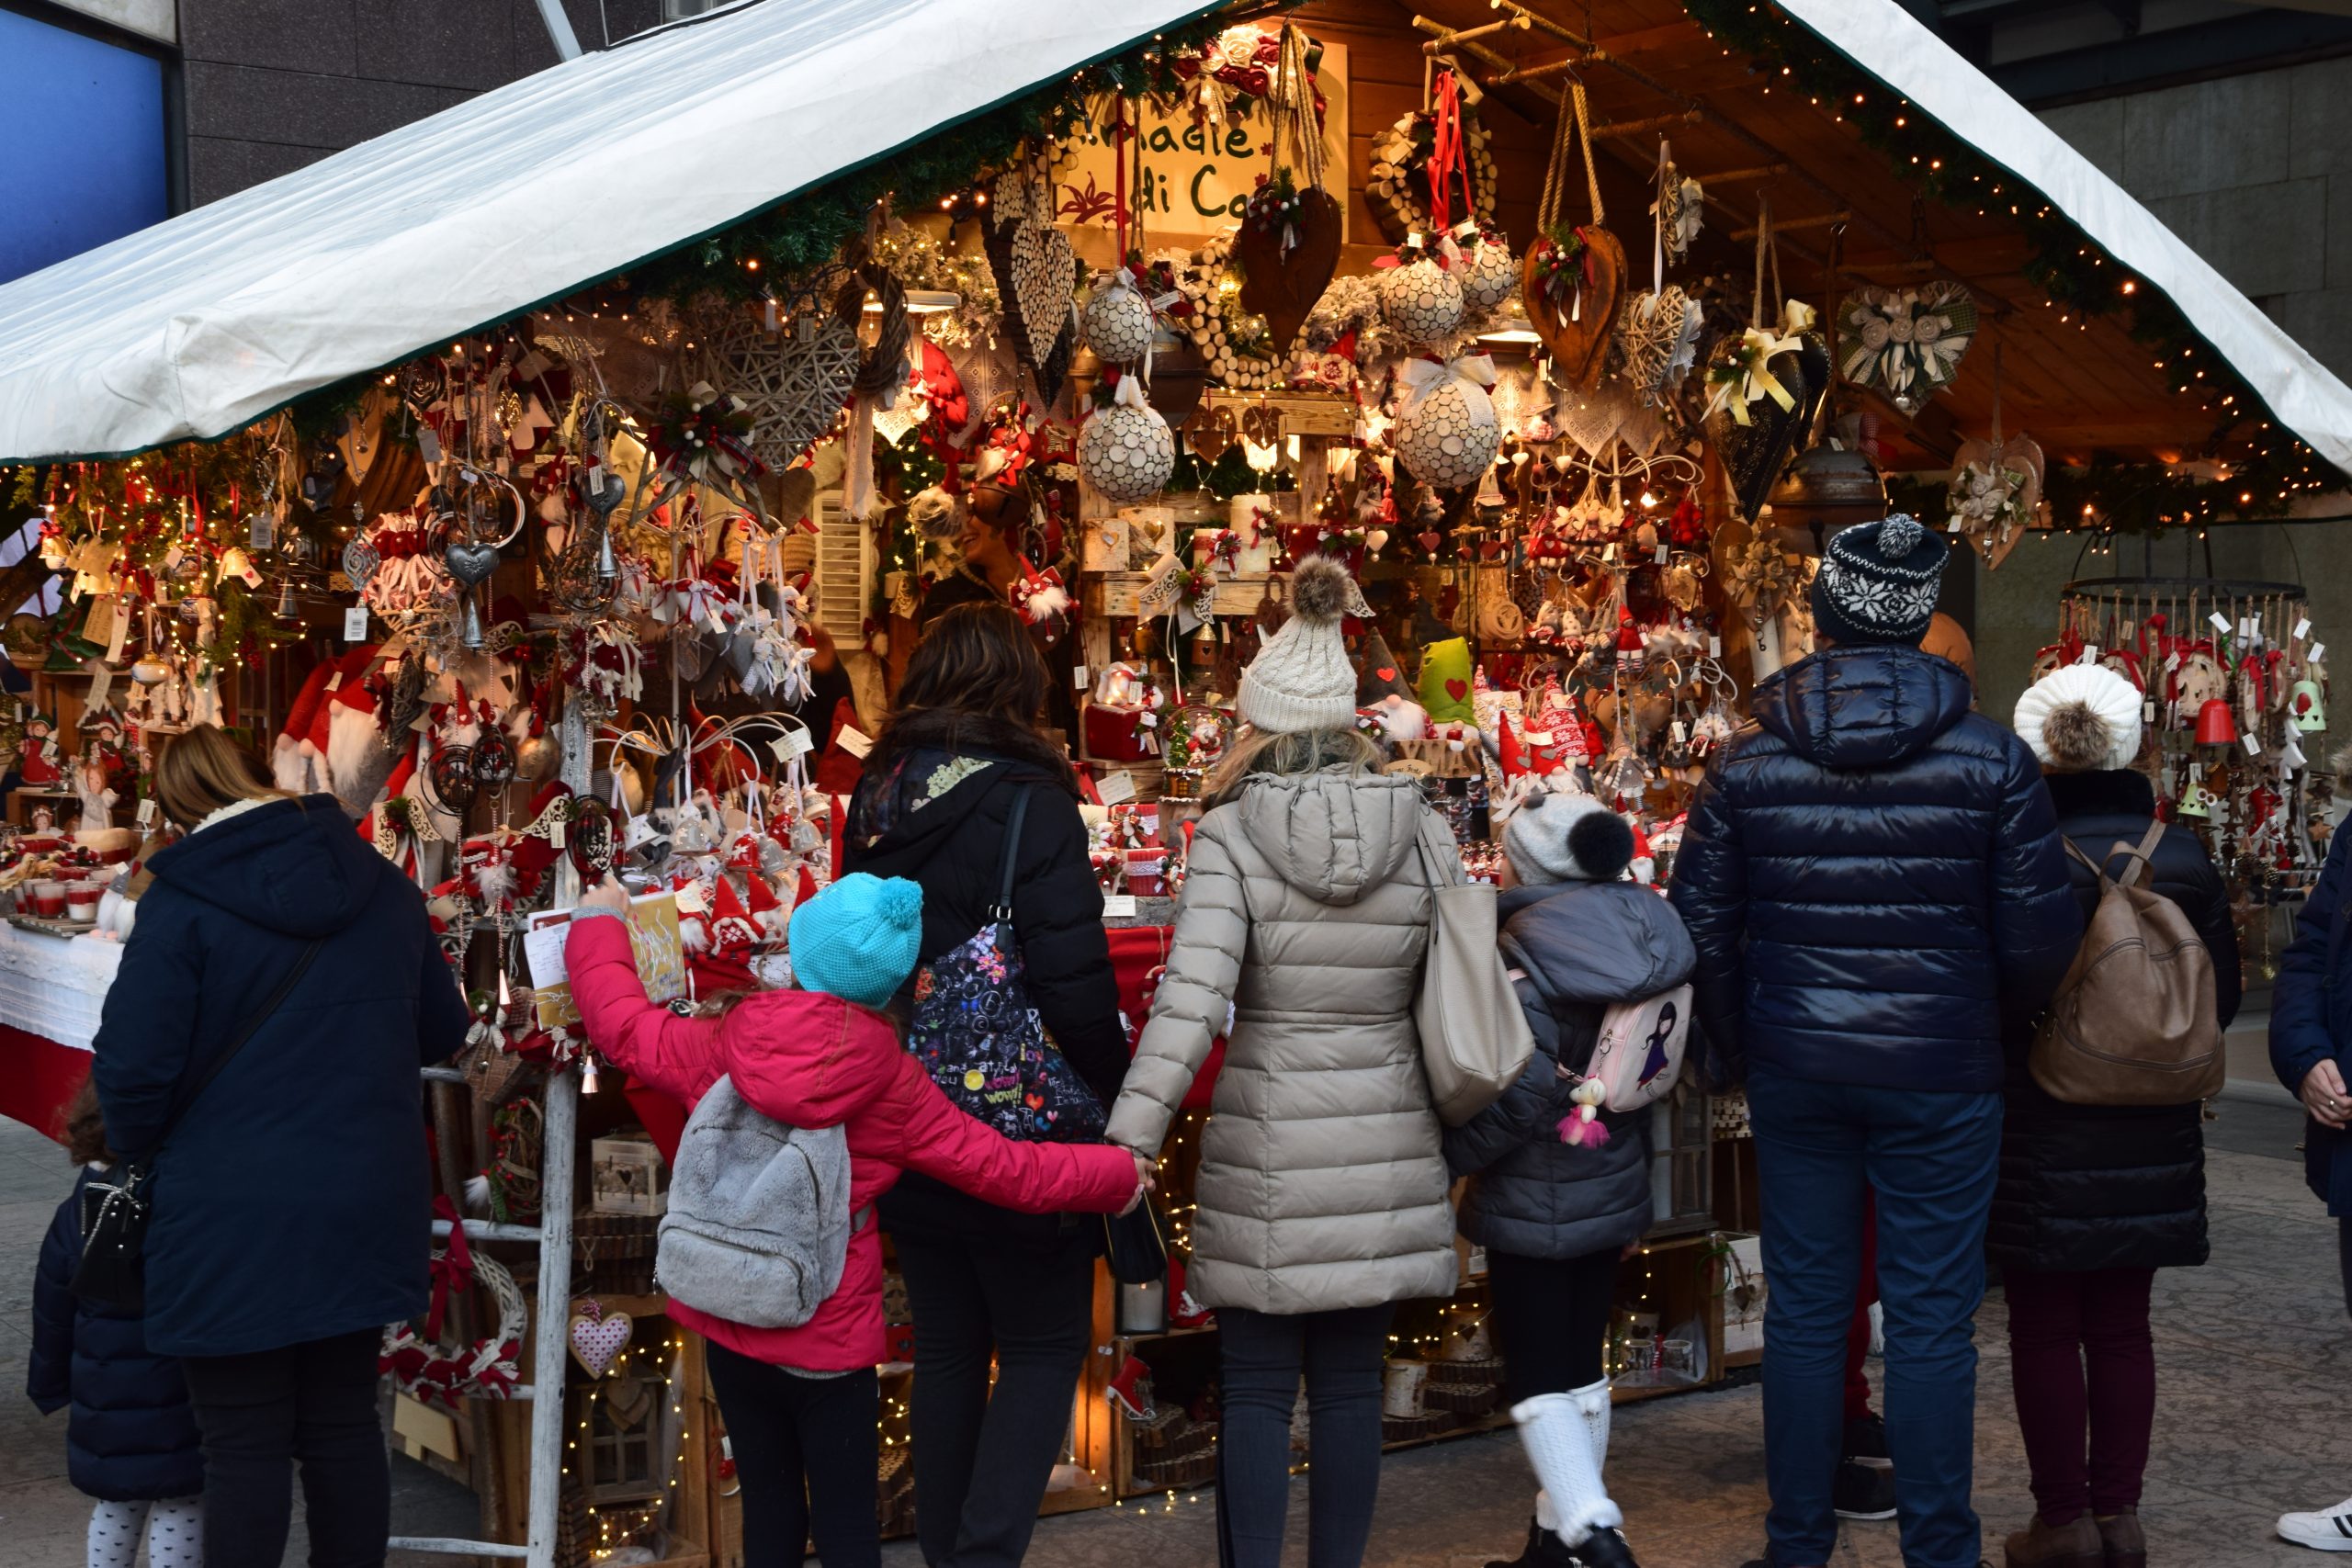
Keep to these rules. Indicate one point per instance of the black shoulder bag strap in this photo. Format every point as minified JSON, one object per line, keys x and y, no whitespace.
{"x":252,"y":1026}
{"x":1002,"y":913}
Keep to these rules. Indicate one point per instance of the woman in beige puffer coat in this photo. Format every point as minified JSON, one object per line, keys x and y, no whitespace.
{"x":1322,"y":1190}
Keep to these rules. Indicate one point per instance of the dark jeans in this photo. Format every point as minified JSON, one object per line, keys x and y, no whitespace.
{"x":1551,"y":1319}
{"x":982,"y":1459}
{"x":1343,"y":1355}
{"x":2080,"y":1356}
{"x":806,"y":1452}
{"x":2344,"y":1256}
{"x":1931,"y":1159}
{"x":257,"y":1415}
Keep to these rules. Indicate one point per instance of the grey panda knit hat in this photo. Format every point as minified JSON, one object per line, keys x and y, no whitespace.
{"x":1566,"y":837}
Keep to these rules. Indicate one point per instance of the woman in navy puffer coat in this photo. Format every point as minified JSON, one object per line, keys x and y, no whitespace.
{"x":130,"y":1440}
{"x":292,"y":1211}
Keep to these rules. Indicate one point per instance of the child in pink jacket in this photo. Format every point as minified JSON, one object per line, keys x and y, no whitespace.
{"x":800,"y":1403}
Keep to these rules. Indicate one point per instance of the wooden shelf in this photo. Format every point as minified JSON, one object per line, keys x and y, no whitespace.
{"x":1119,"y":594}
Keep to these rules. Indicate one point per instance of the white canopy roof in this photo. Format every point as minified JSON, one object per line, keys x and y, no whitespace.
{"x":204,"y":322}
{"x":1887,"y":41}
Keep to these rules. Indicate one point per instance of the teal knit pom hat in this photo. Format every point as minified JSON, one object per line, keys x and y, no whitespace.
{"x":858,"y":938}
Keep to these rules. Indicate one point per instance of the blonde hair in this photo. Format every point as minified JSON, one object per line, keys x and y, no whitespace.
{"x":202,"y":770}
{"x":1288,"y":752}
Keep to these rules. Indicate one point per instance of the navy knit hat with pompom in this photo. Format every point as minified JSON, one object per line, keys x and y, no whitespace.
{"x":1879,"y":583}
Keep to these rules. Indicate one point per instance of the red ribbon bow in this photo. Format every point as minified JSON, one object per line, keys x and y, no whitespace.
{"x":452,"y":1270}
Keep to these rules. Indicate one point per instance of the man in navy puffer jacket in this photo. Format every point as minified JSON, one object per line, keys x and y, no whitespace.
{"x":1875,"y":882}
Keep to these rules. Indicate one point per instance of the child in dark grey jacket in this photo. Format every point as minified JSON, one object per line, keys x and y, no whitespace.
{"x":130,"y":1441}
{"x":1556,"y":1216}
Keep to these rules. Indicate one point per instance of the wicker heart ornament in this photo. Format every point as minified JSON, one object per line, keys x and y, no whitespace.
{"x":793,"y":383}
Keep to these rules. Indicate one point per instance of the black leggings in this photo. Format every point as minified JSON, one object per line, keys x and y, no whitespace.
{"x":1551,"y":1319}
{"x":258,"y":1413}
{"x":1344,"y":1356}
{"x":806,"y":1453}
{"x":984,"y":1451}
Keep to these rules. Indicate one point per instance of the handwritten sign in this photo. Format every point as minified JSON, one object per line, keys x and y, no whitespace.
{"x":1195,"y":177}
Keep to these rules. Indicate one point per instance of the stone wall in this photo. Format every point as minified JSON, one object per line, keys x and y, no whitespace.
{"x":274,"y":85}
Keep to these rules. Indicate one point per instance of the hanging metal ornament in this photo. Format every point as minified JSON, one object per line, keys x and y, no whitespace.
{"x":588,"y":836}
{"x":360,"y":560}
{"x":493,"y":759}
{"x":469,"y":556}
{"x":453,"y":777}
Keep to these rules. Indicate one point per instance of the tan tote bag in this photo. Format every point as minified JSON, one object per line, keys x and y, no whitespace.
{"x":1474,"y":1039}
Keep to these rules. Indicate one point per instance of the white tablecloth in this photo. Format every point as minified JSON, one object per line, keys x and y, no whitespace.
{"x":54,"y":986}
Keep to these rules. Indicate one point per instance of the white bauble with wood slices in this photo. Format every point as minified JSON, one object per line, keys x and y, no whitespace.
{"x":1125,"y":450}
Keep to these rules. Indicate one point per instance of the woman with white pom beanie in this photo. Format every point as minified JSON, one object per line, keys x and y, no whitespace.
{"x":2093,"y":1200}
{"x":1322,"y":1190}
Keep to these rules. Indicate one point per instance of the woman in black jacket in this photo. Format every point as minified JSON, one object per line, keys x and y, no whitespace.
{"x":2093,"y":1199}
{"x":291,"y":1199}
{"x":933,"y":805}
{"x":130,"y":1440}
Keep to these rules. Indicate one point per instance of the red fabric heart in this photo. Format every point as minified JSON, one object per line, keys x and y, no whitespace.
{"x":1386,"y":672}
{"x":1457,"y":690}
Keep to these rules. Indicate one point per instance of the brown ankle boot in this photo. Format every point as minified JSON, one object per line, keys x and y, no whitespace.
{"x":2073,"y":1545}
{"x":2126,"y":1546}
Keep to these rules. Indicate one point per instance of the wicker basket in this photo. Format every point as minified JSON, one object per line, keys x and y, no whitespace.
{"x":1412,"y":1429}
{"x":613,"y":1253}
{"x":896,"y":1505}
{"x":1178,"y":1474}
{"x":1464,"y":1399}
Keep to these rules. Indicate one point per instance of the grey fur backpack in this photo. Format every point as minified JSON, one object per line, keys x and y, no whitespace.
{"x":759,"y":1222}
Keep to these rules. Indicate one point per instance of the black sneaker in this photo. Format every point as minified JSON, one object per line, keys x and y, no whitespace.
{"x":1863,"y":1490}
{"x":1544,"y":1550}
{"x":1866,"y":1437}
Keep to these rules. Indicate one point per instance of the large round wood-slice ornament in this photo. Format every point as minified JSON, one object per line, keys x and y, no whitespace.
{"x":1287,"y":250}
{"x":1573,"y":287}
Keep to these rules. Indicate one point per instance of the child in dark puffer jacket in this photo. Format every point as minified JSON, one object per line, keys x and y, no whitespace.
{"x":130,"y":1441}
{"x":1556,"y":1212}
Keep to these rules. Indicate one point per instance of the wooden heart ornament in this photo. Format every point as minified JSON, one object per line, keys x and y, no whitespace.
{"x":1573,"y":284}
{"x":1287,"y":250}
{"x":1210,"y":431}
{"x":598,"y":1337}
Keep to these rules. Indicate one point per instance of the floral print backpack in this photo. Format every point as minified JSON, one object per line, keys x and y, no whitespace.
{"x":977,"y":1034}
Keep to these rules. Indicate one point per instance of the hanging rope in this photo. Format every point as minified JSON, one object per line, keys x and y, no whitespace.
{"x":1575,"y":122}
{"x":1292,"y":105}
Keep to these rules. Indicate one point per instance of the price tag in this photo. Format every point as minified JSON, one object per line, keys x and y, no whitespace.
{"x":1714,"y":646}
{"x":2319,"y":652}
{"x":1952,"y":526}
{"x":2253,"y":746}
{"x":1116,"y":789}
{"x":2172,"y":662}
{"x":1077,"y":676}
{"x":1681,"y":734}
{"x":146,"y":815}
{"x":1609,"y":556}
{"x":1118,"y":906}
{"x":1658,"y":556}
{"x":2148,"y":711}
{"x":2220,"y":622}
{"x":2302,"y":628}
{"x":796,"y":742}
{"x":556,"y":833}
{"x":355,"y":624}
{"x":855,"y":743}
{"x":429,"y":445}
{"x":2090,"y":654}
{"x":265,"y":531}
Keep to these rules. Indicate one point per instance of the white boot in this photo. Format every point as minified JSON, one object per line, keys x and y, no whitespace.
{"x":1594,"y":1401}
{"x":1564,"y":1446}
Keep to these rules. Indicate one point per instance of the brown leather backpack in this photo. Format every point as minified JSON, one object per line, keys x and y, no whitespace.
{"x":2134,"y":1021}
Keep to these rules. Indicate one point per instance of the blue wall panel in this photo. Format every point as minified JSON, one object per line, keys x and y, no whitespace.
{"x":82,"y":123}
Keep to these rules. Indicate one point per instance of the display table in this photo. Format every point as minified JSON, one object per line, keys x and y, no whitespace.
{"x":51,"y":989}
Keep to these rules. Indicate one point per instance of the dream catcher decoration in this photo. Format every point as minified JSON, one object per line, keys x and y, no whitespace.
{"x":1906,"y":343}
{"x":1995,"y":486}
{"x":1446,"y":137}
{"x":1288,"y":246}
{"x":1764,"y":385}
{"x":1036,"y":270}
{"x":1573,"y":279}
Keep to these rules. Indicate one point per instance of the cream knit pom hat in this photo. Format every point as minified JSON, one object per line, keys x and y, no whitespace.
{"x":2081,"y":718}
{"x":1301,"y":678}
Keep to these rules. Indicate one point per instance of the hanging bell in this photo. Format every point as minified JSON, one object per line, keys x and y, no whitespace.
{"x":2215,"y":727}
{"x":2307,"y":705}
{"x":587,"y":1070}
{"x":471,"y":636}
{"x":607,"y":568}
{"x":287,"y":610}
{"x":2194,"y":801}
